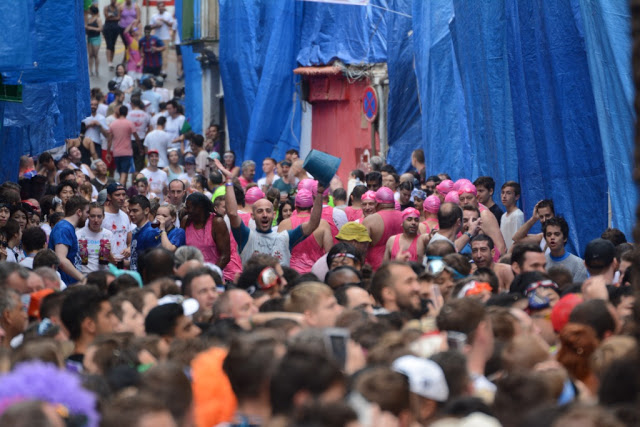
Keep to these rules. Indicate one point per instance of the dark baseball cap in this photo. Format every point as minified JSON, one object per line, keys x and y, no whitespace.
{"x":115,"y":186}
{"x":599,"y":253}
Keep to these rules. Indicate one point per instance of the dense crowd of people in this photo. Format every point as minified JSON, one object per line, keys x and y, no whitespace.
{"x":147,"y":278}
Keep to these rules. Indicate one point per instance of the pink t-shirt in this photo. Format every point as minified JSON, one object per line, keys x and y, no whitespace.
{"x":122,"y":129}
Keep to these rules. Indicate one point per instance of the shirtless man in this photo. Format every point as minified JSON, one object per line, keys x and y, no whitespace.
{"x":469,"y":196}
{"x":482,"y":252}
{"x":543,"y":211}
{"x":408,"y":245}
{"x":383,"y":224}
{"x":307,"y":252}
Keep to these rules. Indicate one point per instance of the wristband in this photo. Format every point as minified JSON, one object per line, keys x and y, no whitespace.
{"x":466,"y":233}
{"x":228,"y":184}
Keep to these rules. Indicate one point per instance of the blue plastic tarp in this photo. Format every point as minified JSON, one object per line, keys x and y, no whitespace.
{"x":55,"y":81}
{"x":352,"y":34}
{"x":17,"y":41}
{"x":404,"y":124}
{"x":258,"y":46}
{"x":606,"y":32}
{"x":506,"y":91}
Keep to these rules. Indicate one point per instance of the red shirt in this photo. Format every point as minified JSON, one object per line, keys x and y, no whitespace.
{"x":122,"y":130}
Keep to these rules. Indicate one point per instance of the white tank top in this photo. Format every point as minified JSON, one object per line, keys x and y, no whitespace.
{"x":275,"y":244}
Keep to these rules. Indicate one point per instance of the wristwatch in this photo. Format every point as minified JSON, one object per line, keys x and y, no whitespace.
{"x":466,"y":233}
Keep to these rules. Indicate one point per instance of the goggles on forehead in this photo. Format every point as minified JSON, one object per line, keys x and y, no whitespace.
{"x":474,"y":288}
{"x":342,"y":255}
{"x":437,"y":266}
{"x":540,"y":284}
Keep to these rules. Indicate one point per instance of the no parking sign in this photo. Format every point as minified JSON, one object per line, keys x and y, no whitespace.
{"x":370,"y":104}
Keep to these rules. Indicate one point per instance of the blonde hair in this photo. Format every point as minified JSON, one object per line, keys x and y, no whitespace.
{"x":306,"y":296}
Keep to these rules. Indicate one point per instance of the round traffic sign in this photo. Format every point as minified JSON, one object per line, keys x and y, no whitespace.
{"x":370,"y":104}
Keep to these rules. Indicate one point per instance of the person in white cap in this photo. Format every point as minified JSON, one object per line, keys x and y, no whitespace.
{"x":427,"y":384}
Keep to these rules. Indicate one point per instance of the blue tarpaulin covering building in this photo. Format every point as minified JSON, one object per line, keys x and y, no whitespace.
{"x":42,"y":48}
{"x":537,"y":92}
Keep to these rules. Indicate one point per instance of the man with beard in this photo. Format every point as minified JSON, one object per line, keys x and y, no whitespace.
{"x":63,"y":238}
{"x":482,"y":252}
{"x":395,"y":287}
{"x":263,"y":239}
{"x":408,"y":245}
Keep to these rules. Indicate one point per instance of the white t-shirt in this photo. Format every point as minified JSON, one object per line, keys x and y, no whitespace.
{"x":154,"y":118}
{"x":124,"y":83}
{"x":173,"y":128}
{"x":102,"y":109}
{"x":94,"y":132}
{"x":119,"y":225}
{"x":154,"y":100}
{"x":262,"y":182}
{"x":509,"y":224}
{"x":140,"y":120}
{"x":159,"y":140}
{"x":186,"y":177}
{"x":163,"y":32}
{"x":157,"y":180}
{"x":93,"y":245}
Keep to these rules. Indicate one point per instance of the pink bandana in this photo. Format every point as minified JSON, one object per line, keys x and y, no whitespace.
{"x":385,"y":195}
{"x":432,"y":204}
{"x":253,"y":195}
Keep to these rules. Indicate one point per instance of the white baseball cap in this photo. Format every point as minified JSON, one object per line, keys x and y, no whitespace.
{"x":425,"y":377}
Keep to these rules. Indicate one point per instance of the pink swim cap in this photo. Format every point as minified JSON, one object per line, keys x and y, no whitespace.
{"x":468,"y":187}
{"x":452,"y":197}
{"x":459,"y":183}
{"x":253,"y":195}
{"x":309,"y":184}
{"x":410,"y":212}
{"x":385,"y":195}
{"x":304,"y":198}
{"x":445,"y":186}
{"x":369,"y":195}
{"x":432,"y":204}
